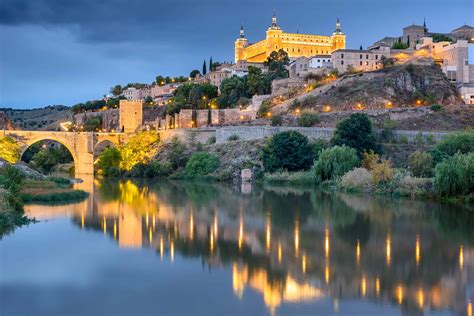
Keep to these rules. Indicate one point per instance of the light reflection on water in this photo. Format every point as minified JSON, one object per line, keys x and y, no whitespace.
{"x":293,"y":246}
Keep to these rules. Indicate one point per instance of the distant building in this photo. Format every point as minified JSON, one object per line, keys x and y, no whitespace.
{"x":359,"y":60}
{"x":132,"y":93}
{"x":295,"y":44}
{"x":216,"y":77}
{"x":320,"y":61}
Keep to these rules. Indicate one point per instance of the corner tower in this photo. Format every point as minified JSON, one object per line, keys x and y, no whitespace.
{"x":338,"y":37}
{"x":274,"y":39}
{"x":240,"y":44}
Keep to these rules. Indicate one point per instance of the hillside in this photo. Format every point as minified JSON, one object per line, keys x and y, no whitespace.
{"x":5,"y":122}
{"x":399,"y":86}
{"x":46,"y":118}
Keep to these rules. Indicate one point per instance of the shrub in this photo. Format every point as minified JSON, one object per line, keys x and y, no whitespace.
{"x":11,"y":178}
{"x":420,"y":164}
{"x":308,"y":119}
{"x":298,"y":177}
{"x":201,"y":164}
{"x":138,"y":149}
{"x":436,"y":107}
{"x":232,"y":138}
{"x":276,"y":120}
{"x":211,"y":140}
{"x":264,"y":108}
{"x":108,"y":162}
{"x":358,"y":178}
{"x":318,"y":146}
{"x":369,"y":159}
{"x":412,"y":186}
{"x":382,"y":172}
{"x":461,"y":141}
{"x":9,"y":149}
{"x":45,"y":160}
{"x":176,"y":153}
{"x":355,"y":132}
{"x":288,"y":150}
{"x":157,"y":169}
{"x":334,"y":162}
{"x":455,"y":175}
{"x":437,"y":155}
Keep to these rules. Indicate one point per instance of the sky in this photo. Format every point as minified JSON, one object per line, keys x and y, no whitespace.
{"x":70,"y":51}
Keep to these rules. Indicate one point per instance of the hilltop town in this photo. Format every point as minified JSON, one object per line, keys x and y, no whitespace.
{"x":287,"y":74}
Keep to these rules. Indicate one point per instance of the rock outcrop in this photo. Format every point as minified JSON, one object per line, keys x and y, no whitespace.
{"x":5,"y":122}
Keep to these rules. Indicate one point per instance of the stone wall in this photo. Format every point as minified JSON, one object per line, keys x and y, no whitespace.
{"x":185,"y":119}
{"x":282,"y":86}
{"x":131,"y":115}
{"x":187,"y":135}
{"x":258,"y":132}
{"x":110,"y":119}
{"x":202,"y":118}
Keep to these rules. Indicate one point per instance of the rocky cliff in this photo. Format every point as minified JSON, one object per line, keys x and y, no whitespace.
{"x":398,"y":86}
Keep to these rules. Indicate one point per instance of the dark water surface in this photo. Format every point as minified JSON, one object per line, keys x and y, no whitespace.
{"x":171,"y":248}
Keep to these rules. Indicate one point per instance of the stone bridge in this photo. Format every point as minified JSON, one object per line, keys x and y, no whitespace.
{"x":84,"y":146}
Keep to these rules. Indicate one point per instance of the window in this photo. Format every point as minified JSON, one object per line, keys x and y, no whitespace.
{"x":342,"y":55}
{"x":319,"y":60}
{"x":366,"y":63}
{"x":376,"y":56}
{"x":361,"y":63}
{"x":342,"y":62}
{"x":360,"y":56}
{"x":367,"y":56}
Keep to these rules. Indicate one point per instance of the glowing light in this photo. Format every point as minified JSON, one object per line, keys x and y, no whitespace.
{"x":359,"y":106}
{"x":191,"y":226}
{"x":115,"y":229}
{"x":418,"y":102}
{"x":150,"y":235}
{"x":279,"y":252}
{"x":326,"y":243}
{"x":297,"y":239}
{"x":461,"y":257}
{"x":388,"y":249}
{"x":389,"y":105}
{"x":241,"y":117}
{"x":161,"y":247}
{"x":358,"y":251}
{"x":241,"y":233}
{"x":417,"y":250}
{"x":363,"y":286}
{"x":377,"y":286}
{"x":211,"y":243}
{"x":400,"y":294}
{"x":326,"y":108}
{"x":326,"y":274}
{"x":297,"y":111}
{"x":303,"y":264}
{"x":269,"y":114}
{"x":469,"y":308}
{"x":82,"y":220}
{"x":172,"y":251}
{"x":105,"y":226}
{"x":216,"y":224}
{"x":421,"y":298}
{"x":146,"y":220}
{"x":268,"y":233}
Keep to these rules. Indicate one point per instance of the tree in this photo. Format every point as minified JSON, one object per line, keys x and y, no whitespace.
{"x":109,"y":161}
{"x":276,"y":63}
{"x":204,"y":70}
{"x":360,"y":48}
{"x":257,"y":83}
{"x":287,"y":150}
{"x":93,"y":124}
{"x":139,"y":149}
{"x":116,"y":90}
{"x":148,"y":99}
{"x":232,"y":90}
{"x":160,"y":80}
{"x":355,"y":132}
{"x":194,"y":73}
{"x":335,"y":162}
{"x":9,"y":149}
{"x":201,"y":164}
{"x":211,"y":65}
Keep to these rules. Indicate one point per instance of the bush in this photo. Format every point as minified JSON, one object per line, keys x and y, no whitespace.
{"x":334,"y":162}
{"x":382,"y":172}
{"x":211,"y":140}
{"x":462,"y":142}
{"x":232,"y":138}
{"x":355,"y":132}
{"x":318,"y":146}
{"x":298,"y":177}
{"x":455,"y":175}
{"x":420,"y":164}
{"x":139,"y":149}
{"x":308,"y":119}
{"x":436,"y":107}
{"x":276,"y":120}
{"x":201,"y":164}
{"x":176,"y":155}
{"x":358,"y":179}
{"x":9,"y":149}
{"x":108,"y":162}
{"x":11,"y":178}
{"x":289,"y":151}
{"x":437,"y":155}
{"x":45,"y":160}
{"x":412,"y":186}
{"x":264,"y":108}
{"x":156,"y":169}
{"x":369,"y":159}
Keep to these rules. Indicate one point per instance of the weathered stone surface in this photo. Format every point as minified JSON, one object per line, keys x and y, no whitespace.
{"x":246,"y":175}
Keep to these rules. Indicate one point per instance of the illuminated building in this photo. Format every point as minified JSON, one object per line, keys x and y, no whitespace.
{"x":295,"y":44}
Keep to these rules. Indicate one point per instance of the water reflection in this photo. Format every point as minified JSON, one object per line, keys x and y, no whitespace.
{"x":294,"y":245}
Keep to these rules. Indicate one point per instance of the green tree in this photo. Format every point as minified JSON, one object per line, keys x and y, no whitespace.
{"x":9,"y":149}
{"x":232,"y":90}
{"x":277,"y":63}
{"x":139,"y":149}
{"x":257,"y":83}
{"x":93,"y":124}
{"x":454,"y":176}
{"x":45,"y":159}
{"x":356,"y":132}
{"x":194,"y":73}
{"x":211,"y":65}
{"x":420,"y":164}
{"x":116,"y":90}
{"x":108,"y":162}
{"x":287,"y":150}
{"x":201,"y":164}
{"x":335,"y":162}
{"x":204,"y":68}
{"x":160,"y":80}
{"x":462,"y":142}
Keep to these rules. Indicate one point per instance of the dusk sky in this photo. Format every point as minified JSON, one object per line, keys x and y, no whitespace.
{"x":65,"y":52}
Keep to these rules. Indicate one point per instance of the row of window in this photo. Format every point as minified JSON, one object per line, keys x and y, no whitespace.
{"x":361,"y":56}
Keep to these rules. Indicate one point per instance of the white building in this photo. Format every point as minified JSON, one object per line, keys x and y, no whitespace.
{"x":320,"y":61}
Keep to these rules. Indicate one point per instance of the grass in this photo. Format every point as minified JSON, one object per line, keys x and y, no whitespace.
{"x":49,"y":192}
{"x":298,"y":178}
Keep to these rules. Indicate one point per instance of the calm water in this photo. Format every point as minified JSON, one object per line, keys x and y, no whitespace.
{"x":171,"y":248}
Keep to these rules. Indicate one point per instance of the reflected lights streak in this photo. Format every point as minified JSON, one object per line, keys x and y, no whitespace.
{"x":417,"y":250}
{"x":388,"y":247}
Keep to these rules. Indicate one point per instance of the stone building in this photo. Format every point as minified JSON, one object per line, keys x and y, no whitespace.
{"x":131,"y":115}
{"x":359,"y":60}
{"x":295,"y":44}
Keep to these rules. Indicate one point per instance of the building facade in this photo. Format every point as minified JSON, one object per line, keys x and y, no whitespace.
{"x":359,"y":60}
{"x":296,"y":45}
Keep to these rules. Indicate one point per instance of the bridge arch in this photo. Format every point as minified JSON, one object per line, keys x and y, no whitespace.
{"x":28,"y":145}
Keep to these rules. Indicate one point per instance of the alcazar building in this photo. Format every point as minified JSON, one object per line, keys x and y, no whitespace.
{"x":296,"y":45}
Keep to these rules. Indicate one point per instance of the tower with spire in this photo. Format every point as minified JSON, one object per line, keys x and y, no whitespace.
{"x":240,"y":44}
{"x":338,"y":37}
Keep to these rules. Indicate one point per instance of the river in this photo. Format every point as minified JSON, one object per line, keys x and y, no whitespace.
{"x":187,"y":248}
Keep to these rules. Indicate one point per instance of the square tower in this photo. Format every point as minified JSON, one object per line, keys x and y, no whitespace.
{"x":131,"y":115}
